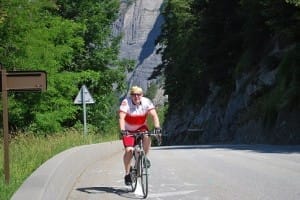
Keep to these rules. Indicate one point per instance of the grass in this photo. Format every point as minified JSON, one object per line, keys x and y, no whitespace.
{"x":28,"y":152}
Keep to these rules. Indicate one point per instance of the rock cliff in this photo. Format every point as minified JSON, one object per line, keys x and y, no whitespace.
{"x":140,"y":24}
{"x":235,"y":119}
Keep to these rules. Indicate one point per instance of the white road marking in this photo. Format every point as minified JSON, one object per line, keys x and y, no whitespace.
{"x":138,"y":191}
{"x":166,"y":194}
{"x":189,"y":184}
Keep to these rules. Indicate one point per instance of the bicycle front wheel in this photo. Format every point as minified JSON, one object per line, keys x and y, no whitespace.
{"x":144,"y":176}
{"x":134,"y":175}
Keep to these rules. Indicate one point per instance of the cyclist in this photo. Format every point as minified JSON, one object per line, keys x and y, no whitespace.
{"x":133,"y":113}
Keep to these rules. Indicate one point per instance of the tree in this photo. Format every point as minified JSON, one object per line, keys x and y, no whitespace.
{"x":35,"y":35}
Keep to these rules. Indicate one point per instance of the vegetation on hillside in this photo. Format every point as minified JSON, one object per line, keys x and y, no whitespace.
{"x":203,"y":42}
{"x":72,"y":42}
{"x":26,"y":154}
{"x":216,"y":42}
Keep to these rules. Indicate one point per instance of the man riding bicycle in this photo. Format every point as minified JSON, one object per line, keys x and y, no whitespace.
{"x":133,"y":113}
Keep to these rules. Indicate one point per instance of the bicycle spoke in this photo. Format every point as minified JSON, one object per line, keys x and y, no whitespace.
{"x":140,"y":166}
{"x":134,"y":176}
{"x":144,"y":176}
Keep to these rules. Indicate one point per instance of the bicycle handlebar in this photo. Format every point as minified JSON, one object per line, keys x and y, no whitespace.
{"x":148,"y":133}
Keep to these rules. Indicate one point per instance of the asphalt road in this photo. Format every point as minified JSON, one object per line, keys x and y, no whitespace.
{"x":217,"y":172}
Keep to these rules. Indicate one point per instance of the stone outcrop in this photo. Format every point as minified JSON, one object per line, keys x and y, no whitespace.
{"x":238,"y":120}
{"x":140,"y":25}
{"x":219,"y":120}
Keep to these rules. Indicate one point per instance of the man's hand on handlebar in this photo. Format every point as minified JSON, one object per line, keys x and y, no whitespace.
{"x":123,"y":133}
{"x":157,"y":131}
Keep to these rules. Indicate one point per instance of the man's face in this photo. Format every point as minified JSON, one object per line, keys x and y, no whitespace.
{"x":136,"y":98}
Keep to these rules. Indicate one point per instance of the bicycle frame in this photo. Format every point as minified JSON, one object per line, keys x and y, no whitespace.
{"x":139,"y":170}
{"x":138,"y":152}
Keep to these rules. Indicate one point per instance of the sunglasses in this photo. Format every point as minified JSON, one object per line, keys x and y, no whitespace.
{"x":135,"y":94}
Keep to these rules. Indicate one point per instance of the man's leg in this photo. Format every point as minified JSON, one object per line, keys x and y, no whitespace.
{"x":127,"y":158}
{"x":147,"y":144}
{"x":128,"y":143}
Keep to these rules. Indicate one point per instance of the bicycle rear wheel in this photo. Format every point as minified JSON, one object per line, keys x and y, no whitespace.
{"x":144,"y":176}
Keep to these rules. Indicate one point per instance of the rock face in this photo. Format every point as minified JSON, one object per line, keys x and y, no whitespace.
{"x":140,"y":25}
{"x":219,"y":120}
{"x":237,"y":120}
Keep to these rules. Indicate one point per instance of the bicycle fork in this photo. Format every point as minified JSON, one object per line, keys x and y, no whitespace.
{"x":138,"y":154}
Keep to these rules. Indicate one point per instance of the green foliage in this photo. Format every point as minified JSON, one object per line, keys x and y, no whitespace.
{"x":196,"y":32}
{"x":27,"y":154}
{"x":296,"y":2}
{"x":2,"y":13}
{"x":71,"y":41}
{"x":215,"y":42}
{"x":181,"y":66}
{"x":100,"y":49}
{"x":289,"y":79}
{"x":151,"y":91}
{"x":286,"y":94}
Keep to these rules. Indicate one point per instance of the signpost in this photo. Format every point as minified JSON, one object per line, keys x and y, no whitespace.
{"x":84,"y":97}
{"x":26,"y":81}
{"x":17,"y":81}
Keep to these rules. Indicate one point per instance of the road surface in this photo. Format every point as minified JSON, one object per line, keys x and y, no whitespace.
{"x":206,"y":172}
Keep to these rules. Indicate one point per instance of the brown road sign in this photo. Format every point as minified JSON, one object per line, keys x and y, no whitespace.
{"x":17,"y":81}
{"x":26,"y":81}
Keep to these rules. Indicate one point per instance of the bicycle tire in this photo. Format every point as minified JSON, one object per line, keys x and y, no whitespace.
{"x":144,"y":176}
{"x":134,"y":177}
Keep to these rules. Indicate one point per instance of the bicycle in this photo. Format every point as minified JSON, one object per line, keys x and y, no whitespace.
{"x":139,"y":168}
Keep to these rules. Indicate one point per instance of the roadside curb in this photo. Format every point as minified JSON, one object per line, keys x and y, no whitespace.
{"x":55,"y":178}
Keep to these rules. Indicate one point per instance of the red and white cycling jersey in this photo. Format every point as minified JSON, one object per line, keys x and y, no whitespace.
{"x":136,"y":115}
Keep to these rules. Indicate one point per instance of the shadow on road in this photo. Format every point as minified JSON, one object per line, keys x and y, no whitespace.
{"x":256,"y":148}
{"x":123,"y":192}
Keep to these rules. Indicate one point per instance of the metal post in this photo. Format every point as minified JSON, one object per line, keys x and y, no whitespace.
{"x":5,"y":126}
{"x":84,"y":112}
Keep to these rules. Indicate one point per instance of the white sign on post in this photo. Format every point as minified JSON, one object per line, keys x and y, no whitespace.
{"x":84,"y":97}
{"x":84,"y":94}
